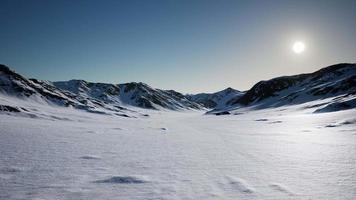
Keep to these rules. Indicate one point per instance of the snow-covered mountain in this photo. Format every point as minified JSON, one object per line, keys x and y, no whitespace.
{"x":334,"y":87}
{"x":14,"y":87}
{"x":330,"y":89}
{"x":133,"y":94}
{"x":217,"y":99}
{"x":93,"y":97}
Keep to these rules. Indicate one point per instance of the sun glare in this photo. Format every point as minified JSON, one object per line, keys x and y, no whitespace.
{"x":298,"y":47}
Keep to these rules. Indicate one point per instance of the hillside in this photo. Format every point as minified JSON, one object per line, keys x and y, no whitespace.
{"x":329,"y":89}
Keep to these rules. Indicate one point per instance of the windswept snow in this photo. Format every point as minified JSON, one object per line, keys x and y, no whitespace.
{"x":178,"y":155}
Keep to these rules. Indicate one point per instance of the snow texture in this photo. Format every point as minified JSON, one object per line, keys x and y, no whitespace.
{"x":178,"y":155}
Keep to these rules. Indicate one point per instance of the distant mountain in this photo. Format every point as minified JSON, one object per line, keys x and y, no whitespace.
{"x":92,"y":97}
{"x":338,"y":81}
{"x":217,"y":99}
{"x":330,"y":89}
{"x":133,"y":94}
{"x":43,"y":92}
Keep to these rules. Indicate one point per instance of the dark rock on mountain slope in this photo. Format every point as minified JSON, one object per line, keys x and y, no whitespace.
{"x":6,"y":108}
{"x":265,"y":89}
{"x":337,"y":106}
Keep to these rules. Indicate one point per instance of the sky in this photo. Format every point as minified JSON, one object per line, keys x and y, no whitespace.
{"x":189,"y":46}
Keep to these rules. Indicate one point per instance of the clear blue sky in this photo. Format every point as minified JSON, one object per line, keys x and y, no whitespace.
{"x":190,"y":46}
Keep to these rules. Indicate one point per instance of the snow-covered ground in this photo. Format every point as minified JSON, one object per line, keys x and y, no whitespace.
{"x":284,"y":153}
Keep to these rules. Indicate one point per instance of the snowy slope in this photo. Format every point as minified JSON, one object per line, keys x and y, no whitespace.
{"x":217,"y":99}
{"x":337,"y":83}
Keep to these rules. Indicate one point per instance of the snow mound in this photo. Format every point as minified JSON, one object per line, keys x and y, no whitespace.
{"x":281,"y":188}
{"x":9,"y":170}
{"x":261,"y":120}
{"x":341,"y":123}
{"x":123,"y":180}
{"x":88,"y":157}
{"x":241,"y":185}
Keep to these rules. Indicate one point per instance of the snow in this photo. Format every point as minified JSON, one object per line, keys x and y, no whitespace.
{"x":278,"y":153}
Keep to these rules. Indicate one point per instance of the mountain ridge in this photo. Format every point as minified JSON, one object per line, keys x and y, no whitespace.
{"x":336,"y":81}
{"x":92,"y":96}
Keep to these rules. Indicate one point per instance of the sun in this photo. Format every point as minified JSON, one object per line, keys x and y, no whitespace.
{"x":298,"y":47}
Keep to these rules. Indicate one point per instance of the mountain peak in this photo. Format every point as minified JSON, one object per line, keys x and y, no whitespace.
{"x":4,"y":68}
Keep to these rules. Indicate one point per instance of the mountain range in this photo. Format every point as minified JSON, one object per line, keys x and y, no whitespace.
{"x":332,"y":88}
